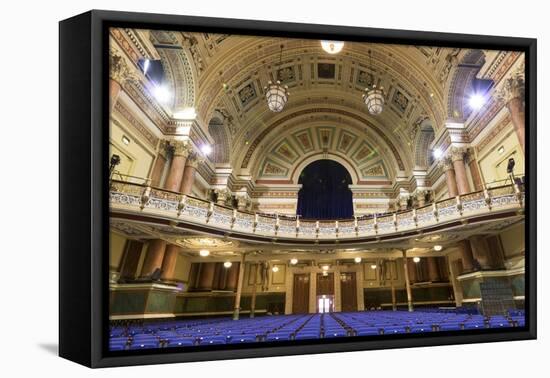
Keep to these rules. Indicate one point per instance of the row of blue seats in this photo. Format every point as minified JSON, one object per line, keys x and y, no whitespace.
{"x":298,"y":327}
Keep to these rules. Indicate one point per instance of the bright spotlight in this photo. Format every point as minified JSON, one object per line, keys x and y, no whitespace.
{"x":332,"y":47}
{"x":186,"y":114}
{"x":416,"y":259}
{"x":206,"y":149}
{"x":325,"y":267}
{"x":275,"y":269}
{"x":162,"y":94}
{"x":373,"y":266}
{"x":227,"y":264}
{"x":204,"y":252}
{"x":476,"y":101}
{"x":437,"y":153}
{"x":294,"y":261}
{"x":438,"y":247}
{"x":357,"y":259}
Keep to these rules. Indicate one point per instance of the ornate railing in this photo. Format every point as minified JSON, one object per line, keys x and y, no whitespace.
{"x":130,"y":197}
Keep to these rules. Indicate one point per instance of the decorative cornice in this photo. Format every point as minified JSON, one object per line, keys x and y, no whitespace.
{"x":119,"y":70}
{"x":136,"y":124}
{"x":458,"y":153}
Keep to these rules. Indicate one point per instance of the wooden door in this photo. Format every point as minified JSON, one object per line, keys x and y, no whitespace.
{"x":325,"y":284}
{"x":348,"y":291}
{"x":300,"y":294}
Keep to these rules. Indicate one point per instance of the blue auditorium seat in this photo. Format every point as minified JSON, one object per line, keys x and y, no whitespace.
{"x":393,"y":329}
{"x":144,"y":344}
{"x":278,"y":336}
{"x":420,"y":328}
{"x":211,"y":340}
{"x":181,"y":342}
{"x":450,"y":327}
{"x":243,"y":339}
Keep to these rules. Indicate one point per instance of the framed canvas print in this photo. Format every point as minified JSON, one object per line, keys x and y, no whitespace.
{"x":235,"y":188}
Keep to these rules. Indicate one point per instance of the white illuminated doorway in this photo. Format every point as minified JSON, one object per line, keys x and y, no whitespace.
{"x":325,"y":303}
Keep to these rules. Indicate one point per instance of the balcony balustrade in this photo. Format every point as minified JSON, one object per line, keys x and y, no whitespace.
{"x":135,"y":198}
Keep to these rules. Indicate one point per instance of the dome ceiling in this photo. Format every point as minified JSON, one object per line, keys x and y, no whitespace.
{"x":325,"y":96}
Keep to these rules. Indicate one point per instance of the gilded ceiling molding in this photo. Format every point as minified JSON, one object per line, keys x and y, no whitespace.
{"x":254,"y":145}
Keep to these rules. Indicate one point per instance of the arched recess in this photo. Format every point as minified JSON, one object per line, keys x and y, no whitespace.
{"x":340,"y":160}
{"x":218,"y":132}
{"x":325,"y":192}
{"x":423,"y":157}
{"x":461,"y":84}
{"x":179,"y":69}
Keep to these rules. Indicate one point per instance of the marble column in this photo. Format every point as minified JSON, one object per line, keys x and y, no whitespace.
{"x":468,"y":263}
{"x":169,"y":262}
{"x":513,"y":96}
{"x":240,"y":281}
{"x":411,"y":271}
{"x":254,"y":289}
{"x":433,"y":269}
{"x":457,"y":156}
{"x":154,"y":257}
{"x":476,"y":174}
{"x":447,"y":167}
{"x":420,"y":198}
{"x":180,"y":151}
{"x":189,"y":173}
{"x":407,"y":283}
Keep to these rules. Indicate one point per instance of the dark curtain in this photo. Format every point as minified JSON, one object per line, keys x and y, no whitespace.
{"x":325,"y":193}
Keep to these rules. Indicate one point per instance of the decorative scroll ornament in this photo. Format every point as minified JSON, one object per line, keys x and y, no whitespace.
{"x":276,"y":95}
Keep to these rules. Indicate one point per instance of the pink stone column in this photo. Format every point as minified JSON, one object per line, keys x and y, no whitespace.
{"x":177,"y":167}
{"x":449,"y":177}
{"x":189,"y":174}
{"x":462,"y":183}
{"x":517,"y":113}
{"x":154,"y":257}
{"x":169,"y":262}
{"x":433,"y":269}
{"x":114,"y":92}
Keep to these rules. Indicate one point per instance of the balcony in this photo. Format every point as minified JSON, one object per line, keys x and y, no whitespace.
{"x":142,"y":203}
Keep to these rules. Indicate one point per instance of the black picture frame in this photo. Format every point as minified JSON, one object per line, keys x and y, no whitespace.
{"x":83,"y":196}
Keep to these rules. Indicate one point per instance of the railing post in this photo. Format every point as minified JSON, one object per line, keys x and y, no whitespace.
{"x":210,"y":211}
{"x":517,"y":192}
{"x":255,"y":222}
{"x":145,"y":197}
{"x":233,"y":218}
{"x":415,"y":219}
{"x":336,"y":228}
{"x":355,"y":226}
{"x":181,"y":204}
{"x":297,"y":225}
{"x":316,"y":229}
{"x":459,"y":204}
{"x":487,"y":197}
{"x":395,"y":221}
{"x":435,"y":212}
{"x":277,"y":223}
{"x":375,"y":224}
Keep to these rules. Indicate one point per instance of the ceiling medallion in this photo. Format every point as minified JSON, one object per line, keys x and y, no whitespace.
{"x":332,"y":47}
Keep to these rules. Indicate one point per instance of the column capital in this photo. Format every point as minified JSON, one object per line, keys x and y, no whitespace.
{"x":513,"y":87}
{"x":458,"y":153}
{"x":446,"y":163}
{"x":180,"y":148}
{"x":194,"y":159}
{"x":119,"y":70}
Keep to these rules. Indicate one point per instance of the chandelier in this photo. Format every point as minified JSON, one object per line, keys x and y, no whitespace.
{"x":374,"y":96}
{"x":332,"y":47}
{"x":374,"y":99}
{"x":276,"y":95}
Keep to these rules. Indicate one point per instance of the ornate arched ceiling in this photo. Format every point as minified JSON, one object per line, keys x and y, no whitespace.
{"x":230,"y":73}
